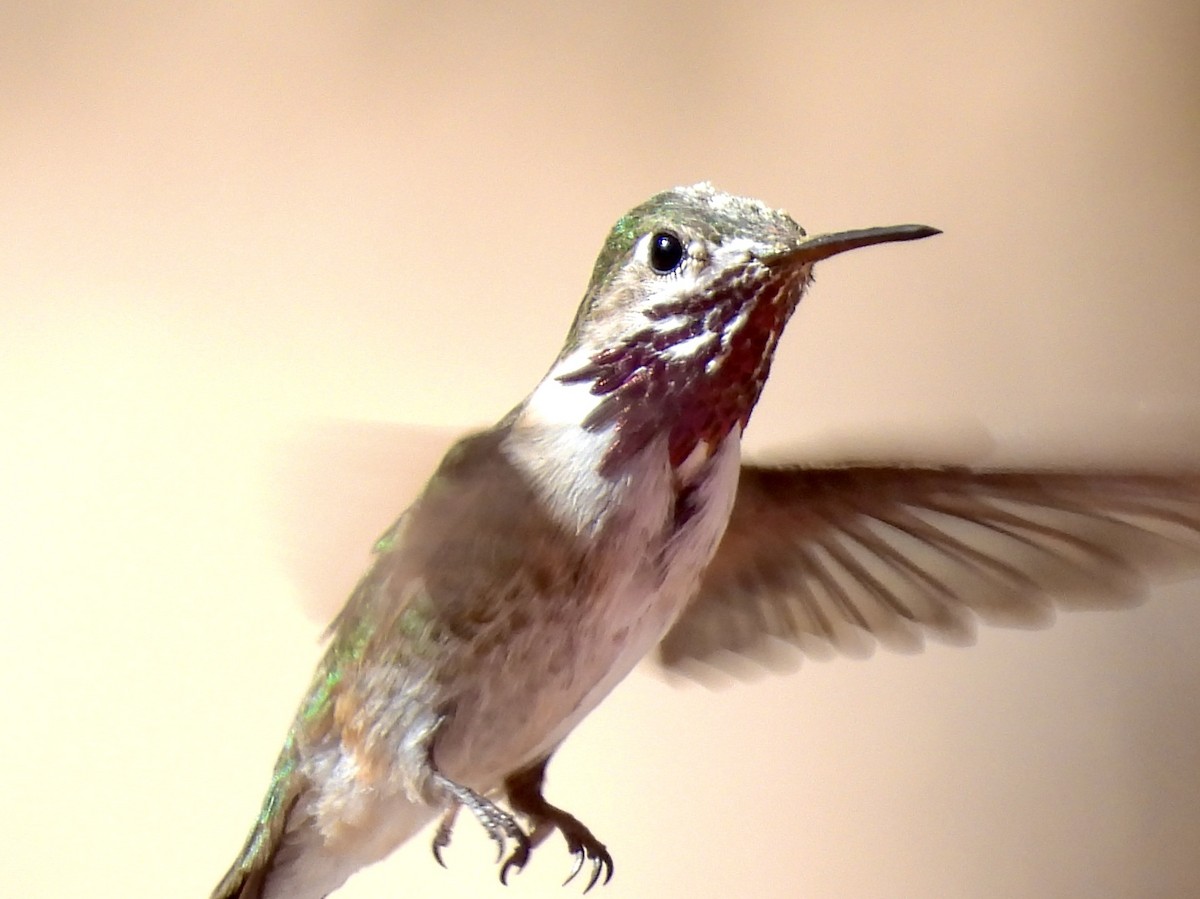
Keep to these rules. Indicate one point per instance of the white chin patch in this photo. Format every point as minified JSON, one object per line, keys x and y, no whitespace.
{"x":556,"y":403}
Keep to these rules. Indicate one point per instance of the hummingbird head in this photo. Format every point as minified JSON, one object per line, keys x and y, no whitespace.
{"x":686,"y":303}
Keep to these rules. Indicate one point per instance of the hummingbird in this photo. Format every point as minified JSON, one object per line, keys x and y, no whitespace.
{"x":610,"y":516}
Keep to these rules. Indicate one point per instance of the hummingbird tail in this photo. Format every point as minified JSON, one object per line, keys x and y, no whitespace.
{"x":291,"y":855}
{"x":289,"y":862}
{"x":247,"y":878}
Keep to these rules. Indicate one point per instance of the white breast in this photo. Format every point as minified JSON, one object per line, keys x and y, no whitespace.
{"x":647,"y":609}
{"x":665,"y":563}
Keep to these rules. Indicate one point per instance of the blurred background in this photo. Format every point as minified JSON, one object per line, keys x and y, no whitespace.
{"x":225,"y":227}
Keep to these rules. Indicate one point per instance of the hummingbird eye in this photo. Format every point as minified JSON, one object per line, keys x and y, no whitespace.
{"x":666,"y":252}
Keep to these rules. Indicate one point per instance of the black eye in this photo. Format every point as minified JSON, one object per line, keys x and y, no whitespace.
{"x":666,"y":252}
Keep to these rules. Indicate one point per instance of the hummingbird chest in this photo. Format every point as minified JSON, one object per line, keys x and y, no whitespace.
{"x":597,"y":584}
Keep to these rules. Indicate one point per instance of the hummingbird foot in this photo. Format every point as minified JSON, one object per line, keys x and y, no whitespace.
{"x":524,"y":791}
{"x":441,"y":839}
{"x":498,"y":824}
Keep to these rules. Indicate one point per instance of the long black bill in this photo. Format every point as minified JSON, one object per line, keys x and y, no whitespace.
{"x":822,"y":246}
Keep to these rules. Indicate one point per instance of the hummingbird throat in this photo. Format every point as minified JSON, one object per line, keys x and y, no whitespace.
{"x":695,"y":371}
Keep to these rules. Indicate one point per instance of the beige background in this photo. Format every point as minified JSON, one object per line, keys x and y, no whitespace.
{"x":221,"y":227}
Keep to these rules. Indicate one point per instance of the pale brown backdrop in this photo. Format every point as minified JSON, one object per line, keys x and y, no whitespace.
{"x":220,"y":224}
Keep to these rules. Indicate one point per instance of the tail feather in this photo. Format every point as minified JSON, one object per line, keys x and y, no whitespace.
{"x":289,"y":855}
{"x":247,"y":877}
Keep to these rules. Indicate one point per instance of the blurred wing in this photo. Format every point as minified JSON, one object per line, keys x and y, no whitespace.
{"x":837,"y":559}
{"x":335,"y":487}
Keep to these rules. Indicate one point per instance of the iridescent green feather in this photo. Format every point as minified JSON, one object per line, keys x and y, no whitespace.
{"x":246,"y":878}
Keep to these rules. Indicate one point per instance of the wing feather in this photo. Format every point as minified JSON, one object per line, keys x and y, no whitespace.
{"x":841,"y":559}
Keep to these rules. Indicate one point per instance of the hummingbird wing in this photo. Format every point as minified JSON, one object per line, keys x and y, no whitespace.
{"x":334,"y":487}
{"x":839,"y":559}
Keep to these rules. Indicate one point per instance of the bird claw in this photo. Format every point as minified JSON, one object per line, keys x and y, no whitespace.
{"x":441,"y":838}
{"x":495,"y":821}
{"x":499,"y":825}
{"x":524,"y":790}
{"x":516,"y":861}
{"x":590,"y":849}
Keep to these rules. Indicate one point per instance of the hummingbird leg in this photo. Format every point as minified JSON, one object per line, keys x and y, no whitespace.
{"x":524,"y":791}
{"x":441,"y":839}
{"x":497,"y":822}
